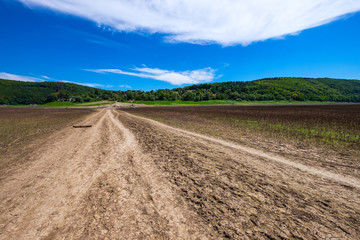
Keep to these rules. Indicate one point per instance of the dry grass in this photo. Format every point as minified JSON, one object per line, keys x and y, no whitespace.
{"x":21,"y":126}
{"x":325,"y":136}
{"x":331,"y":125}
{"x":240,"y":195}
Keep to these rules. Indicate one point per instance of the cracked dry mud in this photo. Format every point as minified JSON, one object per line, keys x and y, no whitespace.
{"x":132,"y":178}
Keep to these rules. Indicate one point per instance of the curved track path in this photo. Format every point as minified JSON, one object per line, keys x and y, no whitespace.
{"x":129,"y":177}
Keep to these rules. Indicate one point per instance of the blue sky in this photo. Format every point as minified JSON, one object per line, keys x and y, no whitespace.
{"x":121,"y":45}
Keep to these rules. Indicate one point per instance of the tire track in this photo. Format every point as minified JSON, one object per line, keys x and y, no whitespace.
{"x":38,"y":195}
{"x":246,"y":196}
{"x":131,"y":199}
{"x":106,"y":183}
{"x":317,"y":171}
{"x":94,"y":183}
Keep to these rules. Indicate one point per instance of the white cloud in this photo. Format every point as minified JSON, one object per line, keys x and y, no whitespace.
{"x":125,"y":86}
{"x":46,"y":77}
{"x":227,"y":22}
{"x":9,"y":76}
{"x":94,"y":85}
{"x":175,"y":78}
{"x":96,"y":39}
{"x":15,"y":77}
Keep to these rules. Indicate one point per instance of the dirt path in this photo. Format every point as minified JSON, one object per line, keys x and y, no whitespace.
{"x":132,"y":178}
{"x":318,"y":171}
{"x":94,"y":183}
{"x":247,"y":194}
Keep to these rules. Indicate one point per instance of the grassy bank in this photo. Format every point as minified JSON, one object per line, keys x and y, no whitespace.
{"x":21,"y":126}
{"x":329,"y":125}
{"x":72,"y":104}
{"x":178,"y":103}
{"x":222,"y":102}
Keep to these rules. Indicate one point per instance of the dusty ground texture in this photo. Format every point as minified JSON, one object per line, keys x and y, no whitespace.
{"x":24,"y":129}
{"x":231,"y":123}
{"x":133,"y":178}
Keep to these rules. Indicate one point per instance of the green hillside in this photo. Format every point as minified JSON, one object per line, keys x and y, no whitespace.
{"x":17,"y":92}
{"x":274,"y":89}
{"x":298,"y":89}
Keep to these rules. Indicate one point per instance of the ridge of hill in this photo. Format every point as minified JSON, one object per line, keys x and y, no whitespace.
{"x":269,"y":89}
{"x":18,"y":92}
{"x":285,"y":88}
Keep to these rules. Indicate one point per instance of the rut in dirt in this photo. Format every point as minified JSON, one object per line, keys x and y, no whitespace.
{"x":132,"y":178}
{"x":247,"y":195}
{"x":258,"y":153}
{"x":94,"y":183}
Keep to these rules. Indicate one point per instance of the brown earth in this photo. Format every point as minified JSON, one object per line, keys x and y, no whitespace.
{"x":24,"y":129}
{"x":133,"y":178}
{"x":320,"y":150}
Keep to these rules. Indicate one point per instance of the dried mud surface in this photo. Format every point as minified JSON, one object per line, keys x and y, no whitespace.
{"x":132,"y":178}
{"x":220,"y":122}
{"x":94,"y":183}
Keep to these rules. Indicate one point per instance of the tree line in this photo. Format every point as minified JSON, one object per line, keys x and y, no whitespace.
{"x":274,"y":89}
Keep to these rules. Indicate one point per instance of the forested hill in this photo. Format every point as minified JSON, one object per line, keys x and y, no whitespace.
{"x":298,"y":89}
{"x":17,"y":92}
{"x":274,"y":89}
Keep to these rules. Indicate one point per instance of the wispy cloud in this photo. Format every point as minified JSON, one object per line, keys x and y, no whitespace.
{"x":175,"y":78}
{"x":227,"y":22}
{"x":10,"y":76}
{"x":46,"y":77}
{"x":93,"y":38}
{"x":125,"y":86}
{"x":94,"y":85}
{"x":15,"y":77}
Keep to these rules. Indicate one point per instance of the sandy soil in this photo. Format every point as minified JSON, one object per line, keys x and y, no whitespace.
{"x":132,"y":178}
